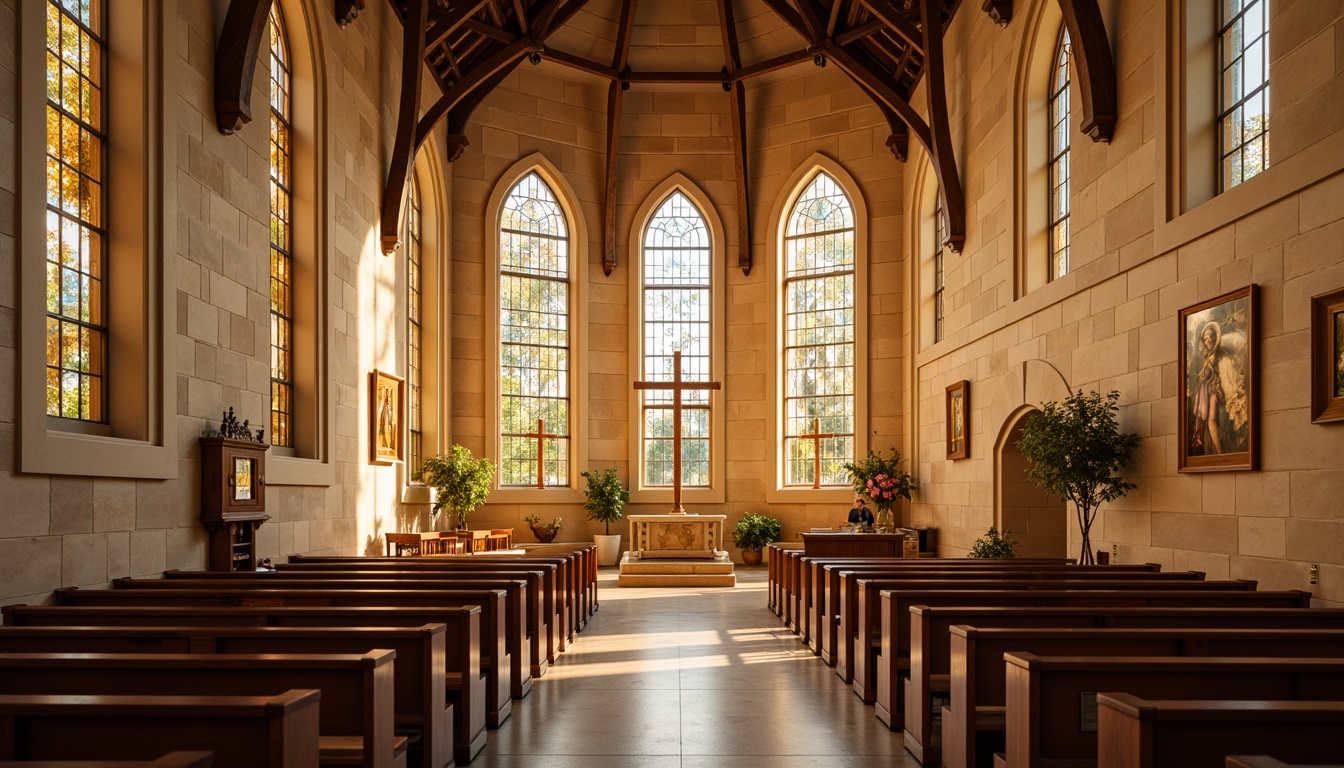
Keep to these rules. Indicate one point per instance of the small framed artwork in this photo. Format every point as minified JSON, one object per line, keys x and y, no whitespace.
{"x":242,"y":478}
{"x":387,"y":413}
{"x":1220,"y":397}
{"x":958,"y":420}
{"x":1327,"y":357}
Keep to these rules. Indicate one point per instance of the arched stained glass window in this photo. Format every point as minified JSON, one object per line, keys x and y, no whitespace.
{"x":534,"y":316}
{"x":677,"y":317}
{"x":282,"y":260}
{"x":819,"y":335}
{"x":414,"y":322}
{"x":1059,"y":160}
{"x":76,"y":246}
{"x":939,"y":276}
{"x":1243,"y":110}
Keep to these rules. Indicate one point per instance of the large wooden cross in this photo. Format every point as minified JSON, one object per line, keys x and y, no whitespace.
{"x":677,"y":385}
{"x":816,"y":437}
{"x":540,"y":436}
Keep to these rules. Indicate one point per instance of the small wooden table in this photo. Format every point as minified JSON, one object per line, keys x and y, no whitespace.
{"x":419,"y":543}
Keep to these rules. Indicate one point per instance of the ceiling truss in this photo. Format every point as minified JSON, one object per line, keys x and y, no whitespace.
{"x":469,"y":47}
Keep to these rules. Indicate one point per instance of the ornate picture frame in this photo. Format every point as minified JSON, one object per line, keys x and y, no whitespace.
{"x":1327,"y":357}
{"x":958,"y":421}
{"x":387,"y":418}
{"x":1219,"y":367}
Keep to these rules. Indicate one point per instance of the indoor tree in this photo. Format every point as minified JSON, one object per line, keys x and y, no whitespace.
{"x":1074,"y":450}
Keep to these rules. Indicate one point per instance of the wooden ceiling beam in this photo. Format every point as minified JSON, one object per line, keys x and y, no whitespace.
{"x":615,"y":99}
{"x":492,"y":63}
{"x":579,"y":63}
{"x":415,"y":22}
{"x":790,"y":17}
{"x":858,"y":33}
{"x":887,"y":12}
{"x":445,"y":24}
{"x":625,"y":31}
{"x":860,"y":67}
{"x":521,"y":14}
{"x":732,"y":63}
{"x":834,"y":18}
{"x":1096,"y":67}
{"x":236,"y":60}
{"x":732,"y":55}
{"x":941,"y":153}
{"x":772,"y":65}
{"x":688,"y":78}
{"x":487,"y":30}
{"x":816,"y":31}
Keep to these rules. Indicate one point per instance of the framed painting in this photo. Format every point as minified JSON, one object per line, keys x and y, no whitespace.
{"x":1220,"y":397}
{"x":1327,"y":357}
{"x":959,"y":420}
{"x":387,"y":413}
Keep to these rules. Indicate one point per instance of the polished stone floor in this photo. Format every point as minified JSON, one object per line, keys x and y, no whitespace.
{"x":691,"y":678}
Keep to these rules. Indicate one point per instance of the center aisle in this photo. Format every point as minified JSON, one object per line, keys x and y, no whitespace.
{"x":691,"y":678}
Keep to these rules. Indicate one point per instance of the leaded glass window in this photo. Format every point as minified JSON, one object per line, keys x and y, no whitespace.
{"x":1243,"y":110}
{"x":1059,"y":160}
{"x":819,"y":335}
{"x":414,"y":318}
{"x":282,"y":263}
{"x":939,"y":278}
{"x":534,"y":275}
{"x":676,"y":318}
{"x":76,"y":235}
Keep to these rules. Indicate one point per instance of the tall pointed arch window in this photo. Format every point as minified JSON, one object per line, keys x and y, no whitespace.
{"x":939,"y":277}
{"x":1059,"y":159}
{"x":676,"y":317}
{"x":535,"y":343}
{"x":282,"y":261}
{"x":1243,"y":108}
{"x":414,"y":330}
{"x":76,"y":292}
{"x":819,"y":335}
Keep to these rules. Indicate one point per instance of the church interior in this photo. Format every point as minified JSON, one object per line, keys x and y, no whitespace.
{"x":373,"y":231}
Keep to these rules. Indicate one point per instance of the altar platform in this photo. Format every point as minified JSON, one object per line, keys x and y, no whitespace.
{"x":676,"y":551}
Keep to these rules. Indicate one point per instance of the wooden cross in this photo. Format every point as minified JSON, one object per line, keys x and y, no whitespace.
{"x":816,"y":437}
{"x":677,"y":385}
{"x":541,"y":434}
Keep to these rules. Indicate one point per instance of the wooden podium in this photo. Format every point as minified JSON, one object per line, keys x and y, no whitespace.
{"x":233,"y":500}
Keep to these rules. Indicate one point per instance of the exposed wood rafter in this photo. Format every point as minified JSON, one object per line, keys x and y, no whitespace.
{"x":236,"y":60}
{"x":732,"y":62}
{"x":890,"y":15}
{"x":619,"y":61}
{"x":1096,"y":67}
{"x":414,"y":23}
{"x":940,"y":150}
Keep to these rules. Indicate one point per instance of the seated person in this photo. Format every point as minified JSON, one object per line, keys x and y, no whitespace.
{"x":860,"y":515}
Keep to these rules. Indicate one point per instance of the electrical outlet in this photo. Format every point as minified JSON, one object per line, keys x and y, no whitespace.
{"x":1315,"y":571}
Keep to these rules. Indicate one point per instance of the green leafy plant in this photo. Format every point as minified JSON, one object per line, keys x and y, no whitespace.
{"x":992,"y":546}
{"x":1074,"y":450}
{"x":543,"y":531}
{"x":462,"y":481}
{"x":755,"y":530}
{"x":882,"y":480}
{"x":605,"y":497}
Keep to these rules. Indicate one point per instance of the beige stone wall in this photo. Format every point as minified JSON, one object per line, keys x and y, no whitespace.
{"x":1111,"y":324}
{"x":549,"y":110}
{"x":59,"y":530}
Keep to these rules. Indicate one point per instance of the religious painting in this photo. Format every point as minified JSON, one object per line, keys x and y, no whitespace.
{"x":242,"y":479}
{"x":1327,"y":357}
{"x":958,"y":420}
{"x":1220,"y":401}
{"x":387,"y":412}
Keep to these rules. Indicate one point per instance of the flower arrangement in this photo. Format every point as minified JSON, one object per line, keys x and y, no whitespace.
{"x":543,"y":531}
{"x":882,"y":480}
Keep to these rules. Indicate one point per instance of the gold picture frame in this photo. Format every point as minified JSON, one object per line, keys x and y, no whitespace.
{"x":1220,"y":392}
{"x":959,"y":420}
{"x":387,"y":418}
{"x":1327,"y":357}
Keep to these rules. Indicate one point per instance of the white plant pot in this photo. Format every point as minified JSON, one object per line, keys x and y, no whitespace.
{"x":608,"y":548}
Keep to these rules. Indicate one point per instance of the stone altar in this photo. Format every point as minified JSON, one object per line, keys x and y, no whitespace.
{"x":676,"y":550}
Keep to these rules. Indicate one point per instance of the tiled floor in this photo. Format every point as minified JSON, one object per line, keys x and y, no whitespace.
{"x":691,"y":678}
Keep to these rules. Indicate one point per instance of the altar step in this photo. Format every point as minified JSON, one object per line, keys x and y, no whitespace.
{"x":676,"y":573}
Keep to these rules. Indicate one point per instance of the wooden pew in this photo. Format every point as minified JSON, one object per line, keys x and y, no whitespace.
{"x":242,"y":731}
{"x":170,"y":760}
{"x":464,"y":683}
{"x":774,"y":562}
{"x":552,"y":597}
{"x":521,"y":605}
{"x":1142,"y":733}
{"x":870,"y":632}
{"x":424,"y":681}
{"x":356,"y":723}
{"x":1265,"y":761}
{"x":495,"y":661}
{"x":977,"y":680}
{"x":1057,"y":690}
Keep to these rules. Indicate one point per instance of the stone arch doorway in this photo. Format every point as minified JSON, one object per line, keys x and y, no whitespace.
{"x":1039,"y":523}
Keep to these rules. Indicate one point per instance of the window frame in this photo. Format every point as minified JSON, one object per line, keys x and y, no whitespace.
{"x":1058,"y":157}
{"x":578,"y":323}
{"x":1225,"y":110}
{"x":714,"y":492}
{"x":281,"y":281}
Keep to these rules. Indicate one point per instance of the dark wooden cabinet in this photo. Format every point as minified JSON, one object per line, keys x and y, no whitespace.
{"x":233,"y":500}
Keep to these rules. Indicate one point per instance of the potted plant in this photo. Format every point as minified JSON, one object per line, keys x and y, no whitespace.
{"x":605,"y":499}
{"x":752,"y":533}
{"x":882,"y":480}
{"x":1073,"y":450}
{"x":545,"y":532}
{"x":461,"y":481}
{"x":992,"y":546}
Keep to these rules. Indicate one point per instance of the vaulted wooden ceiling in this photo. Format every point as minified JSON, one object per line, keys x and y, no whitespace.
{"x":469,"y":46}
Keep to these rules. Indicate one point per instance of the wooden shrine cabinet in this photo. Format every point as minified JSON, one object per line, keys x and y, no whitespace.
{"x":233,"y":500}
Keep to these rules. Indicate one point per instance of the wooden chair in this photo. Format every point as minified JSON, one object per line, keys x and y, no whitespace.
{"x":500,"y":538}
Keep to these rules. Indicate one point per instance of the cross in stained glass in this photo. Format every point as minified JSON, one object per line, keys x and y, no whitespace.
{"x":677,"y":386}
{"x":816,"y":437}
